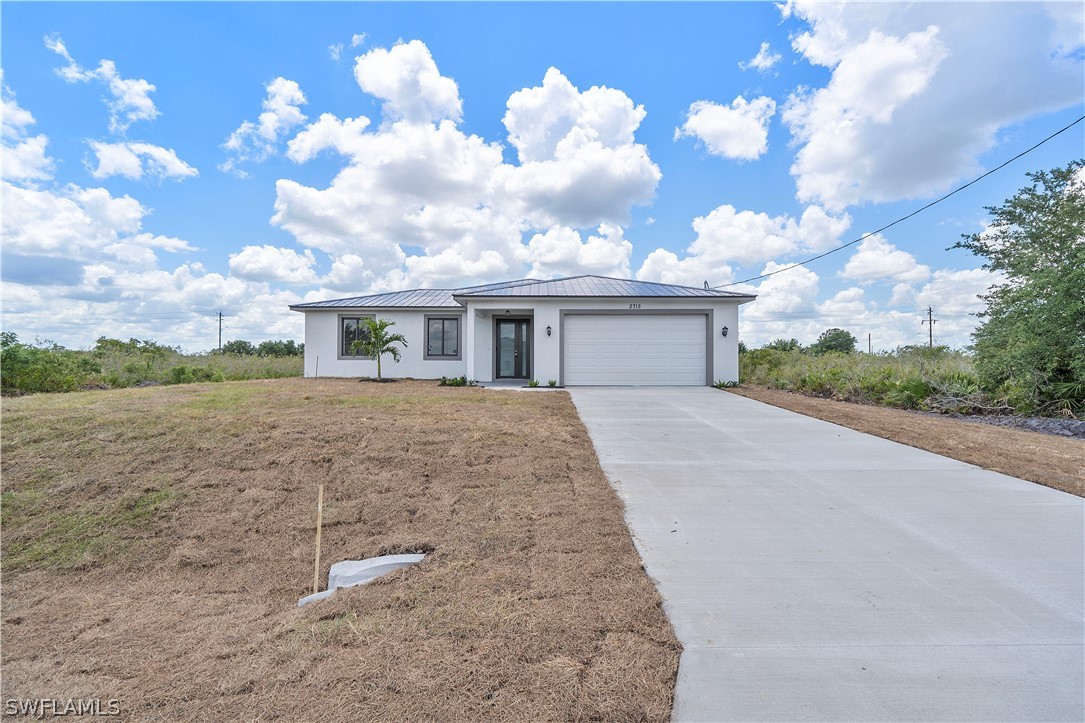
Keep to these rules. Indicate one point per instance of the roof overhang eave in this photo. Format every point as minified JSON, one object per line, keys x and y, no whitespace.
{"x":303,"y":308}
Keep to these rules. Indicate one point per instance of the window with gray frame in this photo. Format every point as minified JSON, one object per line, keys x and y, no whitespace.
{"x":442,"y":337}
{"x":352,"y":329}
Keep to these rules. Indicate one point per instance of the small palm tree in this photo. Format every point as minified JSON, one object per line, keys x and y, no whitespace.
{"x":378,"y":341}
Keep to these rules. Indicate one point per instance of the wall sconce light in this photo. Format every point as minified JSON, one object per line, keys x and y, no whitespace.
{"x":549,"y":331}
{"x":724,"y":330}
{"x":507,"y":312}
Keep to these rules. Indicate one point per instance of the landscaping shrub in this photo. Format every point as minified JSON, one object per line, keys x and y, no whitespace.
{"x":457,"y":382}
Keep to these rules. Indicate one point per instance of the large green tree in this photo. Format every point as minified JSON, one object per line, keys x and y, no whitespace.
{"x":1031,"y":345}
{"x":834,"y":340}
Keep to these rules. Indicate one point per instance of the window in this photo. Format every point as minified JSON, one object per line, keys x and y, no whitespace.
{"x":352,"y":329}
{"x":442,"y":337}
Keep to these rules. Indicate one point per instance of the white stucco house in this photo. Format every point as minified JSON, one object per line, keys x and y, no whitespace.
{"x":581,"y":330}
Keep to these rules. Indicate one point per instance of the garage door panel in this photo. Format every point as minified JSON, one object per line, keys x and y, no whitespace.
{"x":634,"y":349}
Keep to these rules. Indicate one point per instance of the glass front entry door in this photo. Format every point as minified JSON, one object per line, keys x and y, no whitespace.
{"x":513,"y":348}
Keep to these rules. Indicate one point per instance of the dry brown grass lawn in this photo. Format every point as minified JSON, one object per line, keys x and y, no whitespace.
{"x":1052,"y":461}
{"x":155,"y":543}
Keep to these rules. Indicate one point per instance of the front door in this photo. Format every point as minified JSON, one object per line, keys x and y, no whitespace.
{"x":513,"y":348}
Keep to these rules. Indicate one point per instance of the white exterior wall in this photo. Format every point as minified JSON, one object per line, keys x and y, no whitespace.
{"x":322,"y":346}
{"x":477,"y":337}
{"x":547,"y":351}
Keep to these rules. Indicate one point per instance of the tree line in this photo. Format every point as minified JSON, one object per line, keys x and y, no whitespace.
{"x":240,"y":347}
{"x":1028,"y":352}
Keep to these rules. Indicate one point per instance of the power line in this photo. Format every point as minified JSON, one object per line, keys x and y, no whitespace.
{"x":905,"y":218}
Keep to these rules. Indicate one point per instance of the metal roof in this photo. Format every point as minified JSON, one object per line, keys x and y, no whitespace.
{"x":586,"y":285}
{"x":590,"y":285}
{"x":413,"y":298}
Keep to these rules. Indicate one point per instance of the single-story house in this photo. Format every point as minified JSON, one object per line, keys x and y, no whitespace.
{"x":589,"y":330}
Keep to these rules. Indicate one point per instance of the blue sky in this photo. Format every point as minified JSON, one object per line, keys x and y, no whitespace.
{"x":295,"y":152}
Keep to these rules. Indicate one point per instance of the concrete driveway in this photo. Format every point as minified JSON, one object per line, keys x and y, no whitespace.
{"x":816,"y":573}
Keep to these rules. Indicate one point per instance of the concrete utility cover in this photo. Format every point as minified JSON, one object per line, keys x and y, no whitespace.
{"x":816,"y":573}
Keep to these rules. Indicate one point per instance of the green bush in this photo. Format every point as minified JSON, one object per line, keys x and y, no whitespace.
{"x":114,"y":363}
{"x":833,"y":340}
{"x":184,"y":374}
{"x":938,"y":379}
{"x":457,"y":382}
{"x":240,"y":347}
{"x":1030,"y":346}
{"x":51,"y":368}
{"x":908,"y":393}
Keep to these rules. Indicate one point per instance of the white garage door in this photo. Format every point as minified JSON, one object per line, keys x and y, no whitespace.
{"x":635,"y":349}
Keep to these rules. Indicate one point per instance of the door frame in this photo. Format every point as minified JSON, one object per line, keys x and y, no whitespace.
{"x":528,"y":333}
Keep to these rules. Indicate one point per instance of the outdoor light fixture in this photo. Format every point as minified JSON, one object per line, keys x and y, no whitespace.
{"x":549,"y":331}
{"x":507,"y":312}
{"x":724,"y":330}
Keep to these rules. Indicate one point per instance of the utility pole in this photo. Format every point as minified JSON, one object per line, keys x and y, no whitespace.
{"x":869,"y":345}
{"x":220,"y":332}
{"x":930,"y":321}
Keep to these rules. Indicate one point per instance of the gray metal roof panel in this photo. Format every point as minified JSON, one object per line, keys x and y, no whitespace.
{"x":586,"y":285}
{"x":412,"y":298}
{"x":589,"y":285}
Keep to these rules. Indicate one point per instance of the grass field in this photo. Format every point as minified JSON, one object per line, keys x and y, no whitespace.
{"x":156,"y":540}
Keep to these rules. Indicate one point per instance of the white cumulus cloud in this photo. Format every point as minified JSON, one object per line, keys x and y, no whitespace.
{"x":406,"y":79}
{"x":24,"y":158}
{"x":419,"y":202}
{"x":255,"y":141}
{"x":726,"y":235}
{"x":79,"y":264}
{"x":136,"y":160}
{"x":272,"y":263}
{"x":739,"y":131}
{"x":916,"y":95}
{"x":541,"y":119}
{"x":131,"y":98}
{"x":579,"y":162}
{"x":763,"y":61}
{"x":875,"y":258}
{"x":561,"y":251}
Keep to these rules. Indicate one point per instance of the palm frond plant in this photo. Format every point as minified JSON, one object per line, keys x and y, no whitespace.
{"x":378,"y":341}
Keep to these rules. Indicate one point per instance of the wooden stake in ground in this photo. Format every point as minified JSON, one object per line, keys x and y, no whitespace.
{"x":319,"y":521}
